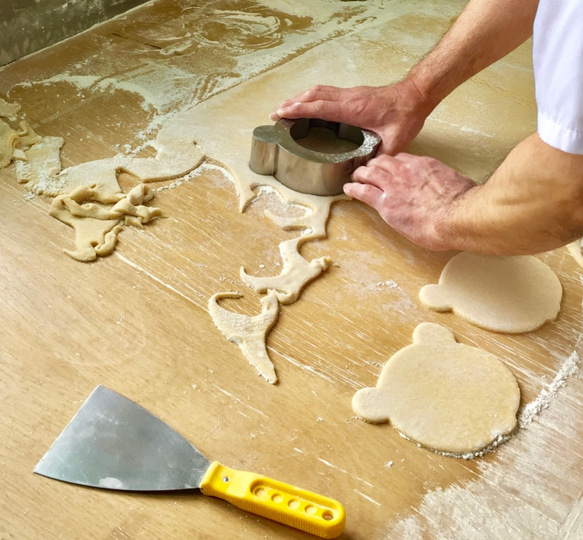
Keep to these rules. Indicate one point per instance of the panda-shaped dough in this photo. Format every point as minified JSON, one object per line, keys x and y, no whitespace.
{"x":446,"y":396}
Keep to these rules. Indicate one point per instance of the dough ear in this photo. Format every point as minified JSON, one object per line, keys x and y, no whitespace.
{"x":432,"y":334}
{"x":369,"y":404}
{"x":435,"y":297}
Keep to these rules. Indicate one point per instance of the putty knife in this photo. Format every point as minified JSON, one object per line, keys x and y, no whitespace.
{"x":113,"y":443}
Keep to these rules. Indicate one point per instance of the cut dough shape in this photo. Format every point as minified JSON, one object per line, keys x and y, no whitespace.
{"x":296,"y":274}
{"x":502,"y":294}
{"x":444,"y":395}
{"x":98,"y":217}
{"x":249,"y":333}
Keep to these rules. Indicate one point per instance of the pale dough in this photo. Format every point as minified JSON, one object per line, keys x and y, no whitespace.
{"x":446,"y":396}
{"x":14,"y":141}
{"x":296,"y":273}
{"x":27,"y":136}
{"x":502,"y":294}
{"x":41,"y":165}
{"x":8,"y":138}
{"x":248,"y":332}
{"x":233,"y":147}
{"x":97,"y":217}
{"x":8,"y":110}
{"x":87,"y":196}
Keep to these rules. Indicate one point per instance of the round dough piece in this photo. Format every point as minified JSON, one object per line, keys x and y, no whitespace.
{"x":446,"y":396}
{"x":502,"y":294}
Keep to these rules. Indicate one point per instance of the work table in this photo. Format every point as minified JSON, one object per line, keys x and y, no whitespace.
{"x":137,"y":321}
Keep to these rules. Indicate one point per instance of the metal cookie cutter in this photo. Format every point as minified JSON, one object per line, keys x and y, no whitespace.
{"x":275,"y":151}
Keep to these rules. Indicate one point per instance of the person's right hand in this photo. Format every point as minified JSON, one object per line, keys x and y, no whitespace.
{"x":415,"y":195}
{"x":396,"y":112}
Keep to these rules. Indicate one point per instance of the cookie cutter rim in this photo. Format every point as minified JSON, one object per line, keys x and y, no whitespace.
{"x":275,"y":151}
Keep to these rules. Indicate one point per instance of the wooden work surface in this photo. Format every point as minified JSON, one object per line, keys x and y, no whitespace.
{"x":137,"y":321}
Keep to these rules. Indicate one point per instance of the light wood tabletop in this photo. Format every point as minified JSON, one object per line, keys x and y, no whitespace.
{"x":137,"y":321}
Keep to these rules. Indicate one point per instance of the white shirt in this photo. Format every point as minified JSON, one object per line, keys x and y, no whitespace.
{"x":558,"y":73}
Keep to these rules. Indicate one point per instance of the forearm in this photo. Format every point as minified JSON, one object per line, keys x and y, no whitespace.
{"x":532,"y":203}
{"x":485,"y":31}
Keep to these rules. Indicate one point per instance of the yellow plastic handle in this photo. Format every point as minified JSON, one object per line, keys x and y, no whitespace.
{"x":275,"y":500}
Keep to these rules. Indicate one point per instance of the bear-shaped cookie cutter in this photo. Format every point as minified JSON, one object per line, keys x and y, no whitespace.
{"x":275,"y":151}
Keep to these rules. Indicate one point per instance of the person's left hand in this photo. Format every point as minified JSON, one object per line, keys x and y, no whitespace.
{"x":413,"y":194}
{"x":395,"y":112}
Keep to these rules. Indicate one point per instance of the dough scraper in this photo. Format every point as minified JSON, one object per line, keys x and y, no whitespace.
{"x":114,"y":443}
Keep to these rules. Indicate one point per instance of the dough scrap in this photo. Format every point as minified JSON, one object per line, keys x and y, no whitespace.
{"x":8,"y":110}
{"x":177,"y":155}
{"x":448,"y":397}
{"x":98,"y":217}
{"x":296,"y":274}
{"x":27,"y":136}
{"x":88,"y":197}
{"x":42,"y":164}
{"x":8,"y":138}
{"x":13,"y":141}
{"x":503,"y":294}
{"x":248,"y":332}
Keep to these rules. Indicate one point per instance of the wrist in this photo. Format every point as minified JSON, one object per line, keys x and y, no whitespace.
{"x":451,"y":227}
{"x":423,"y":91}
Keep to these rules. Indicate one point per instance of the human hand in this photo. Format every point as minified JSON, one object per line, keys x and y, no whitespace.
{"x":396,"y":112}
{"x":414,"y":195}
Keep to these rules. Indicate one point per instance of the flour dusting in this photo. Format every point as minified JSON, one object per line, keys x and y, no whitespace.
{"x":569,"y":369}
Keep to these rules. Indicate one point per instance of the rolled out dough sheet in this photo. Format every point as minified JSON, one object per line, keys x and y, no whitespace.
{"x":444,"y":395}
{"x":502,"y":294}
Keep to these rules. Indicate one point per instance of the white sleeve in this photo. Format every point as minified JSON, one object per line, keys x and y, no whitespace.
{"x":558,"y":73}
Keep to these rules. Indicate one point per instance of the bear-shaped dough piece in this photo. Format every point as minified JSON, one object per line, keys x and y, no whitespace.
{"x":446,"y":396}
{"x":502,"y":294}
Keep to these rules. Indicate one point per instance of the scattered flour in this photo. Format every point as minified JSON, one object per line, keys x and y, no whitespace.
{"x":530,"y":411}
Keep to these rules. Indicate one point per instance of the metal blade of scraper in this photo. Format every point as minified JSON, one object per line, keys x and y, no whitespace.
{"x":114,"y":443}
